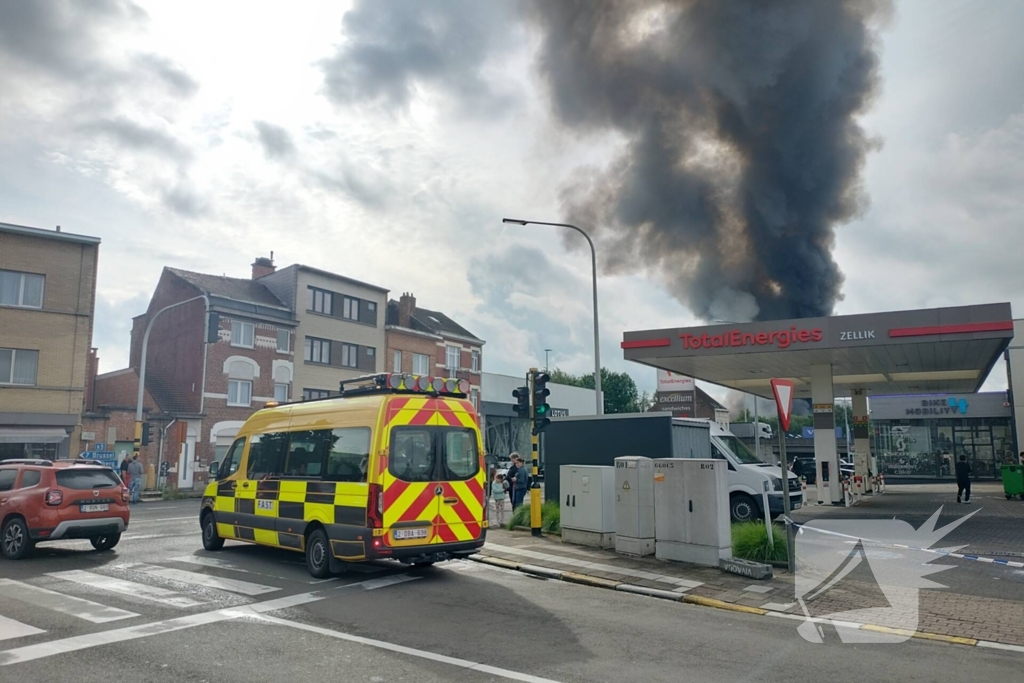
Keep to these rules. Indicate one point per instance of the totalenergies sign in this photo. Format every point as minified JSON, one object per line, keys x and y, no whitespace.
{"x":670,"y":381}
{"x":780,"y":338}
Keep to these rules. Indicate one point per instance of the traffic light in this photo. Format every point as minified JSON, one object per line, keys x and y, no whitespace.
{"x":145,"y":434}
{"x":522,"y":405}
{"x":541,"y":409}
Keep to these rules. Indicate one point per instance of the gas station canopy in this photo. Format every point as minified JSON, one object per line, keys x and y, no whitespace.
{"x":939,"y":350}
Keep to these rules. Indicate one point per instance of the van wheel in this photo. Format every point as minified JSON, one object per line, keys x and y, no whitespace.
{"x":15,"y":543}
{"x":105,"y":542}
{"x":318,"y":560}
{"x":211,"y":539}
{"x":742,"y":508}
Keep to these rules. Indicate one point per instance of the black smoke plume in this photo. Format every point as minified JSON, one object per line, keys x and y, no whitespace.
{"x":740,"y":146}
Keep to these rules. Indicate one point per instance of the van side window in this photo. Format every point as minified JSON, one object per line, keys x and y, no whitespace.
{"x":232,"y":460}
{"x":267,"y":455}
{"x":305,"y":454}
{"x":717,"y":454}
{"x":348,"y":454}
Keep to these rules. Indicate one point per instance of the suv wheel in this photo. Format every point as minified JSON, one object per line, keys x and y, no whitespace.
{"x":14,"y":539}
{"x":105,"y":542}
{"x":211,"y":539}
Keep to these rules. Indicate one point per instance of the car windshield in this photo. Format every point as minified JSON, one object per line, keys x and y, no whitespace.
{"x":739,"y":450}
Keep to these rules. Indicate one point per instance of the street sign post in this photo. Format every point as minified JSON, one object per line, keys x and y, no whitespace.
{"x":108,"y":458}
{"x":783,"y":390}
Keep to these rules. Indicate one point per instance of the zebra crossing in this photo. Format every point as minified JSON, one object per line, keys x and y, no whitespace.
{"x":130,"y":592}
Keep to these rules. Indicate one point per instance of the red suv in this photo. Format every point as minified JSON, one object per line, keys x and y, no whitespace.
{"x":42,"y":500}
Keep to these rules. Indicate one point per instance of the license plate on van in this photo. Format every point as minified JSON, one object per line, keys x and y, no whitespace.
{"x":95,"y":508}
{"x":406,"y":534}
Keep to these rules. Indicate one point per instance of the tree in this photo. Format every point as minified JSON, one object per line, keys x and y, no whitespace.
{"x":619,"y":389}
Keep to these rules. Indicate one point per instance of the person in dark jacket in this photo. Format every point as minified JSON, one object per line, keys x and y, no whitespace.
{"x":963,"y":480}
{"x":521,"y":484}
{"x":510,"y":477}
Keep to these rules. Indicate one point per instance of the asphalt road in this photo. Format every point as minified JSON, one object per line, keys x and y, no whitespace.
{"x":995,"y":529}
{"x":159,"y":608}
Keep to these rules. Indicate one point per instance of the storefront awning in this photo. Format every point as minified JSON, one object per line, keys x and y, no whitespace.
{"x":32,"y":435}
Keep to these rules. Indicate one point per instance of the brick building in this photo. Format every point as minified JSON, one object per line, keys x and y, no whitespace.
{"x":212,"y":373}
{"x":109,"y":416}
{"x":425,"y":342}
{"x":340,"y":331}
{"x":47,"y":300}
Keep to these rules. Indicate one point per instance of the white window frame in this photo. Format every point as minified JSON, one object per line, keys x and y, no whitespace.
{"x":396,"y":360}
{"x":450,"y":350}
{"x":280,"y":391}
{"x":9,"y":380}
{"x":424,"y":360}
{"x":474,"y":398}
{"x":474,"y":360}
{"x":239,"y":384}
{"x":20,"y":303}
{"x":239,"y":339}
{"x":287,"y":334}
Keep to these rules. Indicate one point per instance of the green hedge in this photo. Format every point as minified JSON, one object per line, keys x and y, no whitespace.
{"x":550,"y":515}
{"x":750,"y":542}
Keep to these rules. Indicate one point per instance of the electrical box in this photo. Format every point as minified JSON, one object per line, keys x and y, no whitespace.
{"x":691,"y":510}
{"x":634,"y":505}
{"x":587,"y":501}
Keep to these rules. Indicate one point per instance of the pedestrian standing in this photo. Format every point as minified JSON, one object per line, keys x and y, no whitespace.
{"x":521,"y":483}
{"x":125,"y":477}
{"x":510,"y":476}
{"x":963,"y":480}
{"x":135,"y":470}
{"x":499,"y":494}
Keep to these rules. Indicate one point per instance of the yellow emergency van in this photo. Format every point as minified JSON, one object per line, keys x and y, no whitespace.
{"x":392,"y":467}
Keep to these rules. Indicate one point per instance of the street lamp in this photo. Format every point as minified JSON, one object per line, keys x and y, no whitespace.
{"x":142,"y":365}
{"x":597,"y":336}
{"x":546,"y":353}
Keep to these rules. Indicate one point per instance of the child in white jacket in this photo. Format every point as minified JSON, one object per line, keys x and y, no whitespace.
{"x":499,"y":494}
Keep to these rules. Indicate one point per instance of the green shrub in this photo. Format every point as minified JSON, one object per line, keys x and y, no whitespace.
{"x":550,"y":515}
{"x":750,"y":542}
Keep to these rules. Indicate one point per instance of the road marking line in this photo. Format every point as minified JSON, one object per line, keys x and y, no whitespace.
{"x":139,"y":537}
{"x":130,"y":588}
{"x":422,"y":654}
{"x":1000,"y":646}
{"x":195,"y":578}
{"x":65,"y":604}
{"x":55,"y":647}
{"x":384,"y":581}
{"x":9,"y":628}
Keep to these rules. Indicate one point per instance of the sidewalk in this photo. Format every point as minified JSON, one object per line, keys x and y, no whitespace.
{"x":944,"y":615}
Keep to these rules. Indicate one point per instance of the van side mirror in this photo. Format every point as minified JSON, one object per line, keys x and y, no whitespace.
{"x":214,"y":469}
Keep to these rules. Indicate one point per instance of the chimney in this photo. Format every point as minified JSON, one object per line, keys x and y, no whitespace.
{"x":263,"y":266}
{"x":406,"y":305}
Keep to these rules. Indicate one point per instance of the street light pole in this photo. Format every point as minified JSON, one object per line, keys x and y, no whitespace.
{"x":142,"y":365}
{"x":597,"y":335}
{"x":546,"y":352}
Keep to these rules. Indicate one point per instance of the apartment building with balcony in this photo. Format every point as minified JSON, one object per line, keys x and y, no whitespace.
{"x":425,"y":342}
{"x":47,"y":301}
{"x":340,"y":333}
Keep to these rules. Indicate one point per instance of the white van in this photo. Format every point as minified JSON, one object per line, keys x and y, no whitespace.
{"x":747,"y":474}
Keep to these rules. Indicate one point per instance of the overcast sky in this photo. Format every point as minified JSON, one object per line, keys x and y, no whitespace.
{"x":386,"y":140}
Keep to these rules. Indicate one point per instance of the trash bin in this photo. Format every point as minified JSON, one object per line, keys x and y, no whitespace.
{"x":1013,"y":481}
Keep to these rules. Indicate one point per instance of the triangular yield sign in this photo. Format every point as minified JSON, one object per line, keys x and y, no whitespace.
{"x":783,"y":390}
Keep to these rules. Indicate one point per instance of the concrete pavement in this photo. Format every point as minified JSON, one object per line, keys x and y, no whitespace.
{"x":259,"y":616}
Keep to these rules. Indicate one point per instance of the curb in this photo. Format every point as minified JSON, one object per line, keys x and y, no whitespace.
{"x":598,"y":582}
